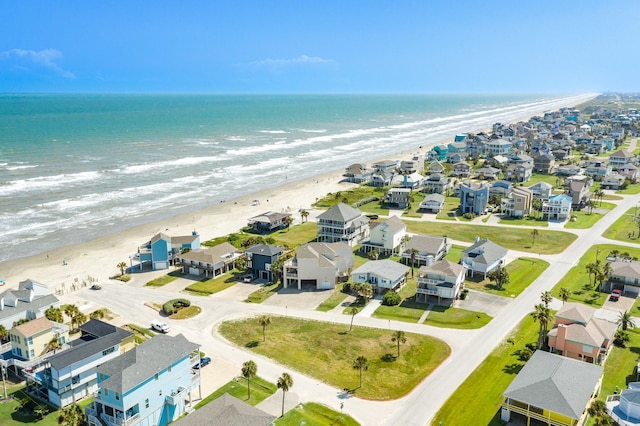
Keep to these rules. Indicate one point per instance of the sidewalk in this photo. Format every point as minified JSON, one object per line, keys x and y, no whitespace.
{"x":371,"y":307}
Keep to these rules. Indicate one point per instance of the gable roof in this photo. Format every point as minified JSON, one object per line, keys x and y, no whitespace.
{"x":384,"y":268}
{"x":227,"y":411}
{"x":340,"y":213}
{"x":486,"y":251}
{"x":265,"y":249}
{"x":144,"y":361}
{"x":426,"y":244}
{"x":35,"y":326}
{"x":625,"y":268}
{"x":393,"y":224}
{"x":576,"y":312}
{"x":555,"y":383}
{"x":30,"y":296}
{"x":445,"y":267}
{"x":212,"y":255}
{"x":269,"y":217}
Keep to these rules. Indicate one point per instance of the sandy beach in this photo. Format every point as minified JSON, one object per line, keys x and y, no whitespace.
{"x":98,"y":258}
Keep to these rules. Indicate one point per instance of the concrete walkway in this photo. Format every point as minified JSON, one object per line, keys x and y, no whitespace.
{"x":371,"y":307}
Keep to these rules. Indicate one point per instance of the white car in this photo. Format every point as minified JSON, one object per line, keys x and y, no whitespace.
{"x":159,"y":326}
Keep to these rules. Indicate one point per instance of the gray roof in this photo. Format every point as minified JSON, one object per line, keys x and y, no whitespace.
{"x":22,"y":296}
{"x":265,"y":249}
{"x":445,"y":267}
{"x":555,"y":383}
{"x":269,"y":217}
{"x":434,"y":197}
{"x":393,"y":224}
{"x":340,"y":213}
{"x":211,"y":255}
{"x":486,"y":251}
{"x":383,"y":268}
{"x":227,"y":411}
{"x":96,"y":337}
{"x":624,"y":268}
{"x":425,"y":244}
{"x":144,"y":361}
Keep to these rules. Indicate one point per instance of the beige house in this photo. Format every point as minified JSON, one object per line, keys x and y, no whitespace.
{"x":518,"y":204}
{"x":442,"y":279}
{"x":210,"y":262}
{"x":318,"y":265}
{"x":31,"y":339}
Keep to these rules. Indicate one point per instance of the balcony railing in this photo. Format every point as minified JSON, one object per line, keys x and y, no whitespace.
{"x":546,"y":419}
{"x":427,"y":291}
{"x":428,"y":281}
{"x":175,"y":397}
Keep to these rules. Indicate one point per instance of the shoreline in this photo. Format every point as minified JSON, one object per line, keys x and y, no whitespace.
{"x":98,"y":257}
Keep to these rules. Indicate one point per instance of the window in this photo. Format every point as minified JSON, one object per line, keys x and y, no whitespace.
{"x":75,"y":380}
{"x":169,"y":369}
{"x":160,"y":392}
{"x":106,"y":392}
{"x":146,"y":403}
{"x":156,"y":376}
{"x":30,"y":341}
{"x":32,"y":353}
{"x":117,"y":396}
{"x":108,"y":351}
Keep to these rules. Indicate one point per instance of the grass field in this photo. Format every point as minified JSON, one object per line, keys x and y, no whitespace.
{"x":214,"y":285}
{"x":547,"y":242}
{"x":585,"y":220}
{"x":455,"y":253}
{"x":626,"y":228}
{"x":326,"y":351}
{"x":188,"y":312}
{"x":450,"y":209}
{"x":263,"y":293}
{"x":444,"y":317}
{"x":526,"y":221}
{"x":349,"y":197}
{"x":165,"y":279}
{"x":522,"y":272}
{"x":334,"y":300}
{"x":314,"y":414}
{"x":260,"y":390}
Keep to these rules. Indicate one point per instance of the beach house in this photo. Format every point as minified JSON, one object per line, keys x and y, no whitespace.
{"x":162,"y":250}
{"x":557,"y":207}
{"x":28,"y":302}
{"x":318,"y":266}
{"x":620,"y":158}
{"x":625,"y":275}
{"x":398,"y":198}
{"x":383,"y":275}
{"x":226,"y":411}
{"x":357,"y":173}
{"x":542,"y":190}
{"x":260,"y":257}
{"x":425,"y":249}
{"x":150,"y":385}
{"x":442,"y":279}
{"x":462,"y":170}
{"x":386,"y":237}
{"x":268,"y":222}
{"x":210,"y":262}
{"x":473,"y":197}
{"x":436,"y":183}
{"x":518,"y":203}
{"x":33,"y":339}
{"x":342,"y":223}
{"x":483,"y":257}
{"x":432,"y":203}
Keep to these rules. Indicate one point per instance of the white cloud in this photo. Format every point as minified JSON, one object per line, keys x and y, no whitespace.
{"x":28,"y":59}
{"x":281,"y":64}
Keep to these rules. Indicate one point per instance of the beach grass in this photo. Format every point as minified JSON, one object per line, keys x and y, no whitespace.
{"x":187,"y":312}
{"x":623,"y":228}
{"x":522,"y":272}
{"x":326,"y":351}
{"x":334,"y":300}
{"x":263,"y":293}
{"x":350,"y":196}
{"x":547,"y":242}
{"x":526,"y":221}
{"x":477,"y":400}
{"x":314,"y":414}
{"x":165,"y":279}
{"x":260,"y":390}
{"x":215,"y":285}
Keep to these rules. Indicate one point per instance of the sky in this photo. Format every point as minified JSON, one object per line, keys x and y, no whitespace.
{"x":324,"y":46}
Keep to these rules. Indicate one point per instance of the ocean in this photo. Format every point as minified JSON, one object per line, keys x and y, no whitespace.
{"x":75,"y":167}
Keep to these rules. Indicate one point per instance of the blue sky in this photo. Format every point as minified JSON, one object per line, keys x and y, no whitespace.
{"x":319,"y":46}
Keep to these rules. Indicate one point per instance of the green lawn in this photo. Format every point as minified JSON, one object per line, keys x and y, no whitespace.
{"x":165,"y":279}
{"x":522,"y":272}
{"x":578,"y":281}
{"x":526,"y":220}
{"x":584,"y":219}
{"x":455,"y":253}
{"x":188,"y":312}
{"x":407,"y":311}
{"x":547,"y":242}
{"x":296,"y":235}
{"x":263,"y":293}
{"x":539,"y":177}
{"x":632,"y":189}
{"x":314,"y":414}
{"x":477,"y":401}
{"x":625,"y":228}
{"x":350,"y":196}
{"x":374,"y":207}
{"x":450,"y":209}
{"x":334,"y":300}
{"x":444,"y":317}
{"x":214,"y":285}
{"x":620,"y":367}
{"x":260,"y":390}
{"x":326,"y":351}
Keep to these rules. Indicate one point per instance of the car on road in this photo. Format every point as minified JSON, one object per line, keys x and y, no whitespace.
{"x":204,"y":361}
{"x":159,"y":326}
{"x":615,"y":295}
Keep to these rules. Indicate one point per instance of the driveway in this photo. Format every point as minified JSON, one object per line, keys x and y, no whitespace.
{"x":478,"y":301}
{"x":239,"y":291}
{"x":298,"y":299}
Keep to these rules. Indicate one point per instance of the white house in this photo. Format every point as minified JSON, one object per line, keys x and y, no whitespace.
{"x":558,"y":207}
{"x":342,"y":223}
{"x":442,"y":279}
{"x":319,"y":265}
{"x":383,"y":275}
{"x":386,"y":237}
{"x":29,"y":301}
{"x":425,"y":249}
{"x":483,"y":256}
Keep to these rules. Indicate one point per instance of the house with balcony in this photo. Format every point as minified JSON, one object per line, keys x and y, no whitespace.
{"x":624,"y":408}
{"x":625,"y":275}
{"x":518,"y":203}
{"x":70,"y":375}
{"x":552,"y":390}
{"x":29,"y":301}
{"x":487,"y":173}
{"x":557,"y":208}
{"x":543,"y":162}
{"x":483,"y":257}
{"x":579,"y":192}
{"x":501,"y":188}
{"x":383,"y":275}
{"x":542,"y":190}
{"x":150,"y":385}
{"x":432,"y":203}
{"x":436,"y":184}
{"x":498,"y":147}
{"x":386,"y":237}
{"x":209,"y":262}
{"x":620,"y":158}
{"x":162,"y":251}
{"x":442,"y":279}
{"x":269,"y":222}
{"x":342,"y":223}
{"x":630,"y":172}
{"x":568,"y":170}
{"x":32,"y":339}
{"x":578,"y":334}
{"x":227,"y":411}
{"x":435,"y":167}
{"x":518,"y":172}
{"x":412,"y":181}
{"x":462,"y":170}
{"x":318,"y":266}
{"x":438,"y":153}
{"x":399,"y":198}
{"x":260,"y":257}
{"x":414,"y":165}
{"x":613,"y":181}
{"x":425,"y":249}
{"x":473,"y":197}
{"x":357,"y":173}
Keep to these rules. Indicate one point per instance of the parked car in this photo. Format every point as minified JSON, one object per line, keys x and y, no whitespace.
{"x":248,"y":278}
{"x":615,"y":295}
{"x":96,"y":286}
{"x":159,"y":326}
{"x":204,"y":361}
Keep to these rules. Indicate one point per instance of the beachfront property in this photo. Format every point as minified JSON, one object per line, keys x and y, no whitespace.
{"x":383,"y":173}
{"x":70,"y":375}
{"x":518,"y":203}
{"x":28,"y":302}
{"x":357,"y":173}
{"x":414,"y":165}
{"x":33,"y":339}
{"x":260,"y":257}
{"x":624,"y":275}
{"x":553,"y":390}
{"x":438,"y":153}
{"x":386,"y":237}
{"x":342,"y":223}
{"x":425,"y":249}
{"x":150,"y":385}
{"x":318,"y":265}
{"x":442,"y":279}
{"x":226,"y":411}
{"x":210,"y":262}
{"x":383,"y":275}
{"x":473,"y":197}
{"x":162,"y":251}
{"x":399,"y":198}
{"x":541,"y":190}
{"x":483,"y":257}
{"x":268,"y":222}
{"x":578,"y":334}
{"x":432,"y":203}
{"x":557,"y":208}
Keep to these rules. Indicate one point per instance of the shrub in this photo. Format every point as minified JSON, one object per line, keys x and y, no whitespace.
{"x":525,"y":354}
{"x":391,"y":298}
{"x":346,"y":288}
{"x":124,"y":278}
{"x":470,"y":215}
{"x":174,"y":305}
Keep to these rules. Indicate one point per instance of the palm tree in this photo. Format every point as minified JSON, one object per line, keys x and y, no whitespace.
{"x":398,"y":337}
{"x":264,"y":321}
{"x":4,"y":334}
{"x":500,"y":276}
{"x":353,"y":311}
{"x":78,"y":319}
{"x":249,"y":371}
{"x":277,"y":267}
{"x":288,"y":221}
{"x":413,"y":253}
{"x":71,"y":310}
{"x":598,"y":194}
{"x":362,"y":364}
{"x":546,"y":298}
{"x":605,"y":272}
{"x":564,"y":294}
{"x":71,"y":415}
{"x":304,"y":214}
{"x":97,"y":314}
{"x":54,"y":314}
{"x":534,"y":234}
{"x":536,"y":204}
{"x":592,"y":268}
{"x":625,"y":320}
{"x":122,"y":266}
{"x":53,"y":345}
{"x":285,"y":382}
{"x":542,"y":314}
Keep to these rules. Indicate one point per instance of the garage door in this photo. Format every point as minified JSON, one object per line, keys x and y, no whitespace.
{"x":194,"y":271}
{"x":325,"y":285}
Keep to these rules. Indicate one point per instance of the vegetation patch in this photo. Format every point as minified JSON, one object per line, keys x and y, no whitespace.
{"x":406,"y":312}
{"x":173,"y":306}
{"x":620,"y":367}
{"x":165,"y":279}
{"x":445,"y":317}
{"x":522,"y":272}
{"x":336,"y":298}
{"x":455,"y":253}
{"x":260,"y":390}
{"x":215,"y":285}
{"x":327,"y":352}
{"x":586,"y":218}
{"x":263,"y":293}
{"x":350,"y":196}
{"x":188,"y":312}
{"x":314,"y":414}
{"x":626,"y":228}
{"x":450,"y":209}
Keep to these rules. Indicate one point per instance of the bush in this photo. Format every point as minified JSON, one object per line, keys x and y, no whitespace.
{"x":174,"y":305}
{"x":346,"y":288}
{"x":463,"y":294}
{"x":470,"y":215}
{"x":391,"y":298}
{"x":124,"y":278}
{"x":525,"y":354}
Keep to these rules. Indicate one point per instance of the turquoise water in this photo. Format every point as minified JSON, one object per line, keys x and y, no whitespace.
{"x":73,"y":167}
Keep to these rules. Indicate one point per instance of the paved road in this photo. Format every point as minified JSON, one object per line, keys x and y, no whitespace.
{"x":469,"y":347}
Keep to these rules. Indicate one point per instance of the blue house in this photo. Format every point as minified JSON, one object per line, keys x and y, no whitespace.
{"x":473,"y":197}
{"x":439,"y":152}
{"x":161,"y":251}
{"x":149,"y":385}
{"x":260,"y":258}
